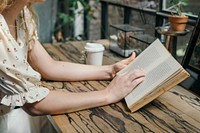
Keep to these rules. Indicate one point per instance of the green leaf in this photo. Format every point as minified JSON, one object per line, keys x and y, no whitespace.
{"x":65,"y":18}
{"x":171,"y":2}
{"x":83,"y":3}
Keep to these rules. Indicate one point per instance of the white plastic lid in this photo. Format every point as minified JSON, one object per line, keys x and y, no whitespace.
{"x":94,"y":47}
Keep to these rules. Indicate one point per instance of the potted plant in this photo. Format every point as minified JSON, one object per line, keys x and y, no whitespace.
{"x":178,"y":19}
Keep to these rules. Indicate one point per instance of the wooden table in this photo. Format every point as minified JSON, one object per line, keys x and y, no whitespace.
{"x":177,"y":110}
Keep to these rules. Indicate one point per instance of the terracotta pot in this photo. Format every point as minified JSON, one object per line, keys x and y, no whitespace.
{"x":178,"y":23}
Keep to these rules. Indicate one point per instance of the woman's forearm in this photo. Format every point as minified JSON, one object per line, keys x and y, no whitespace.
{"x":65,"y":71}
{"x":63,"y":102}
{"x":51,"y":69}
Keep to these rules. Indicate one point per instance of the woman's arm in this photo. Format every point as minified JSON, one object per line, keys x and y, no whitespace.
{"x":64,"y":102}
{"x":50,"y":69}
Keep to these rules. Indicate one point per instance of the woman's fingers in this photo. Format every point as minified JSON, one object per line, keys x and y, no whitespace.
{"x":128,"y":60}
{"x":124,"y":83}
{"x":134,"y":74}
{"x":137,"y":81}
{"x":133,"y":77}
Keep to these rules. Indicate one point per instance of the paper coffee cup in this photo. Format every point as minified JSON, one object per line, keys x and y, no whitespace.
{"x":94,"y":53}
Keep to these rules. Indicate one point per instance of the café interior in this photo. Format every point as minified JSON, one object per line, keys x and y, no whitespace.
{"x":124,"y":27}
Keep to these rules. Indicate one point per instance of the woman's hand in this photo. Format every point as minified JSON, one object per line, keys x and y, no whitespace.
{"x":121,"y":64}
{"x":123,"y":84}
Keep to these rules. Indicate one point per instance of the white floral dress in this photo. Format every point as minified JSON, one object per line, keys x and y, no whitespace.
{"x":19,"y":82}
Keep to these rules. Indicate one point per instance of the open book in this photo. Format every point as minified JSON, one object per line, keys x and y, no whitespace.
{"x":162,"y":73}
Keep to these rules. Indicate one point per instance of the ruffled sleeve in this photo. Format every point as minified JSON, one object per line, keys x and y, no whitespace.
{"x":34,"y":94}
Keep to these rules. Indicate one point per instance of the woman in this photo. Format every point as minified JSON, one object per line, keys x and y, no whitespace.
{"x":24,"y":61}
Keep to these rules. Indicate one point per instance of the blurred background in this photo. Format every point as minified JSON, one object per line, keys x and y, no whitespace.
{"x":81,"y":19}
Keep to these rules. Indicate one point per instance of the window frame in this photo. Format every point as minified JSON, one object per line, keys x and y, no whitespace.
{"x":191,"y":47}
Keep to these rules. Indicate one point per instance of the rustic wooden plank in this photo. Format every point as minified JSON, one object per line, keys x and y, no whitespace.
{"x":155,"y":116}
{"x":73,"y":52}
{"x":53,"y":85}
{"x":158,"y":114}
{"x":181,"y":99}
{"x":55,"y":53}
{"x":62,"y":121}
{"x":169,"y":118}
{"x":175,"y":111}
{"x":102,"y":120}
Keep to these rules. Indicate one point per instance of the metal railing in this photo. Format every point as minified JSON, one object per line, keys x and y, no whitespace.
{"x":160,"y":15}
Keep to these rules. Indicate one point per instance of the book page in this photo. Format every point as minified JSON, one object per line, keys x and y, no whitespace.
{"x":150,"y":57}
{"x":176,"y":78}
{"x":153,"y":78}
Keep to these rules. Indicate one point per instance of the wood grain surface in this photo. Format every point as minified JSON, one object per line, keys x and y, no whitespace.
{"x":176,"y":111}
